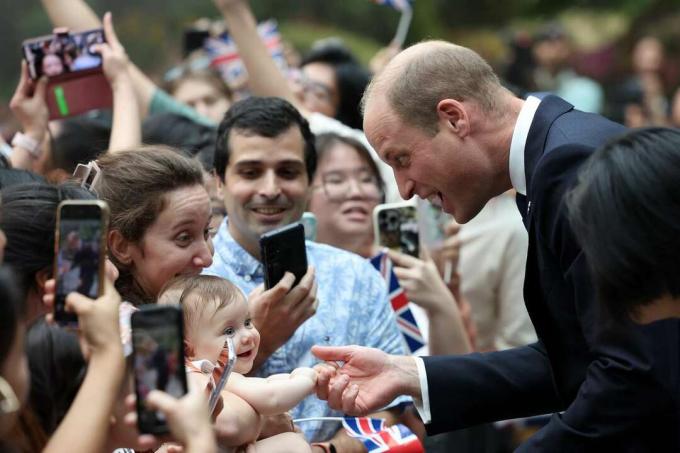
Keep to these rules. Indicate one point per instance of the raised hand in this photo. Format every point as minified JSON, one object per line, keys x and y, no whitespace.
{"x":367,"y":380}
{"x":28,"y":104}
{"x":114,"y":59}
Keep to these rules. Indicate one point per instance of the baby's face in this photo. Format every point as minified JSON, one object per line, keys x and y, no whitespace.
{"x":232,"y":321}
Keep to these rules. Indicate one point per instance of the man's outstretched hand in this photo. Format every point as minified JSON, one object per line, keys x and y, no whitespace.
{"x":358,"y":380}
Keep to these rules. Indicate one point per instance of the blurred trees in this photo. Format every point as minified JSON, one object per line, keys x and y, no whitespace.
{"x":151,"y":29}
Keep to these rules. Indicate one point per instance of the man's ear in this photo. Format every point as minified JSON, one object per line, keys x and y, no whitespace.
{"x":454,"y":116}
{"x":120,"y":247}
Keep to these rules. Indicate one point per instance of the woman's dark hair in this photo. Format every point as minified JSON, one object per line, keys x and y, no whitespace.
{"x":28,"y":219}
{"x":325,"y":142}
{"x":262,"y":116}
{"x":180,"y":132}
{"x":624,"y":212}
{"x":11,"y":312}
{"x":134,"y":184}
{"x":57,"y":372}
{"x":80,"y":139}
{"x":350,"y":77}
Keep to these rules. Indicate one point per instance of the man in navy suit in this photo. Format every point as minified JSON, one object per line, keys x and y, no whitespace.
{"x":452,"y":134}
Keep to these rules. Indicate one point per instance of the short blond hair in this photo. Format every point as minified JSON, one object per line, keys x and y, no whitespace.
{"x":431,"y":71}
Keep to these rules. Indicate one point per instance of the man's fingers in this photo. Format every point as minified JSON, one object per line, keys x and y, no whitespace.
{"x":335,"y":391}
{"x":349,"y":397}
{"x":333,"y":353}
{"x":284,"y":285}
{"x":403,"y":274}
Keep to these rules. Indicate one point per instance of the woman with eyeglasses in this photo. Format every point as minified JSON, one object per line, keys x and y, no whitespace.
{"x":346,"y":188}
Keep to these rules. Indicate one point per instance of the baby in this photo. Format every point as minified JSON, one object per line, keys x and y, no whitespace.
{"x":213,"y":310}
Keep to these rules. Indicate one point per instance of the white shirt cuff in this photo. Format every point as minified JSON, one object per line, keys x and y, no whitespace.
{"x":423,"y":404}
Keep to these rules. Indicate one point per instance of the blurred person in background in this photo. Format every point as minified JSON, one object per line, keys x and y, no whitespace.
{"x":202,"y":90}
{"x":552,"y":52}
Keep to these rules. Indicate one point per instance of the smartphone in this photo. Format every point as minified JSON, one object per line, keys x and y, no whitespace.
{"x":309,"y":223}
{"x":79,"y":253}
{"x":395,"y":226}
{"x":63,"y":53}
{"x":158,"y":358}
{"x":76,"y":81}
{"x":283,"y":250}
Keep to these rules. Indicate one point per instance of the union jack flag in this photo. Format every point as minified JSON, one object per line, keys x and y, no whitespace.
{"x":377,"y":438}
{"x":401,"y":5}
{"x":224,"y":56}
{"x":400,"y":304}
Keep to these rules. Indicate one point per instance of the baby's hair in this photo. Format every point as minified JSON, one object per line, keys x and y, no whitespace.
{"x":213,"y":292}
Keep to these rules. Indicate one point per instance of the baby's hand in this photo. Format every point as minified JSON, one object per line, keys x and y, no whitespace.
{"x":307,"y":372}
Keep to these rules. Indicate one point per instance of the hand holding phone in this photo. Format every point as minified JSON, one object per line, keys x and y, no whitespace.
{"x":158,"y":357}
{"x":396,"y":227}
{"x":79,"y":253}
{"x":283,"y":250}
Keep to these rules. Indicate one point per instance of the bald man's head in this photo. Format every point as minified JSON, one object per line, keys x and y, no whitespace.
{"x":418,"y":78}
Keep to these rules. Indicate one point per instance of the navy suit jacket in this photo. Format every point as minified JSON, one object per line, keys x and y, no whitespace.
{"x":607,"y":385}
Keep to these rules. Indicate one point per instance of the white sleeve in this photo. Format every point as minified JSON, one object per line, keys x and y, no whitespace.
{"x":423,"y":405}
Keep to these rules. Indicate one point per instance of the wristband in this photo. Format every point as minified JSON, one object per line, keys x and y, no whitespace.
{"x":30,"y":144}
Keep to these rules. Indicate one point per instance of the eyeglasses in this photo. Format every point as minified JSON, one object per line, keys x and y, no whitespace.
{"x":338,"y":185}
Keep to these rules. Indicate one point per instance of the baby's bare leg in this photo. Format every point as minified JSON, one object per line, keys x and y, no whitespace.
{"x":283,"y":443}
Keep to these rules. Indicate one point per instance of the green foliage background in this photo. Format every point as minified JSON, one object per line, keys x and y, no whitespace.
{"x":151,"y":29}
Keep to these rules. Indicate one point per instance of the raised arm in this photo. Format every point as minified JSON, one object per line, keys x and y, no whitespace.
{"x":276,"y":394}
{"x":264,"y":77}
{"x":86,"y":424}
{"x":126,"y":130}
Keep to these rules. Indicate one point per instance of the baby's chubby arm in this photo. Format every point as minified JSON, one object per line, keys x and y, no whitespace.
{"x":238,"y":423}
{"x":275,"y":394}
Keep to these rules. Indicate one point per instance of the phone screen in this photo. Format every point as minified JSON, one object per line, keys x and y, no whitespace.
{"x":157,"y":341}
{"x":78,"y":258}
{"x":63,"y":53}
{"x":397,"y":228}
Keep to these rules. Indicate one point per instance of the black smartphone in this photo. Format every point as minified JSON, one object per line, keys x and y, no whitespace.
{"x":396,"y":227}
{"x":283,"y":250}
{"x":79,"y":253}
{"x":158,"y":357}
{"x":63,"y":53}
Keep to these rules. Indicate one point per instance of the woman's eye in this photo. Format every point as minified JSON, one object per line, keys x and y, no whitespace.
{"x":402,"y":161}
{"x":229,"y":331}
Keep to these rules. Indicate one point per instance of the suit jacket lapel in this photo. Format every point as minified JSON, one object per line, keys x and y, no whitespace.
{"x":550,"y":108}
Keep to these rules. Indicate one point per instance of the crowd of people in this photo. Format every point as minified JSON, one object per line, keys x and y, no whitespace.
{"x":543,"y":317}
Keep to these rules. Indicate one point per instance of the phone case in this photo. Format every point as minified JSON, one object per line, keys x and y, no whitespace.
{"x":396,"y":227}
{"x":283,"y":250}
{"x":81,"y":85}
{"x":158,"y":358}
{"x":85,"y":225}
